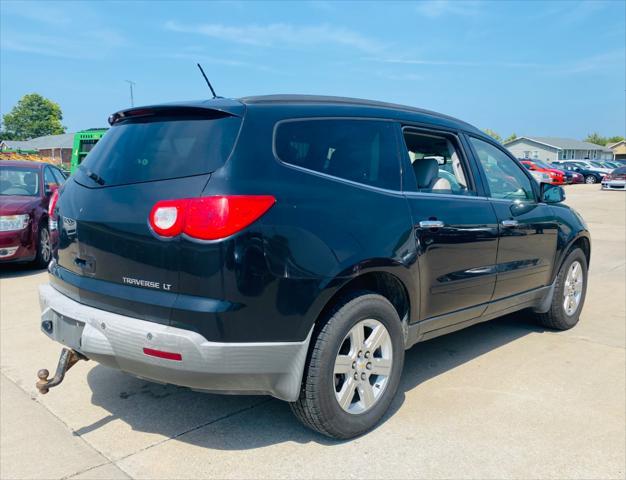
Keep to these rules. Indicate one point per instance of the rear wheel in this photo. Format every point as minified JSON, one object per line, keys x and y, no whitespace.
{"x":44,"y":247}
{"x":569,"y":293}
{"x":353,"y":369}
{"x":590,"y":179}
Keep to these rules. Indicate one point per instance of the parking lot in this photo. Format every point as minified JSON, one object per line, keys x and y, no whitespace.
{"x":504,"y":399}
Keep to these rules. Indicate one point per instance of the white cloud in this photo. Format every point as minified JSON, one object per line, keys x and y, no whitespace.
{"x":437,"y":8}
{"x":38,"y":12}
{"x":599,"y":63}
{"x":401,"y":77}
{"x":94,"y":43}
{"x":451,"y":63}
{"x":281,"y":34}
{"x":227,"y":62}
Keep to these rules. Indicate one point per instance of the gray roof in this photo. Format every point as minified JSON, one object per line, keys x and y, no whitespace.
{"x":563,"y":143}
{"x":16,"y":144}
{"x":65,"y":140}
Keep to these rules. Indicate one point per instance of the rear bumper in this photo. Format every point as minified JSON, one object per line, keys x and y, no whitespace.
{"x":272,"y":368}
{"x":614,"y":184}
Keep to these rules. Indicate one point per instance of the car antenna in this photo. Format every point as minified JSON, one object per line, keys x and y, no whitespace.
{"x":207,"y":81}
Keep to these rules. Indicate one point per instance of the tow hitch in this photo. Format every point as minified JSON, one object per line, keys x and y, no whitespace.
{"x":67,"y":360}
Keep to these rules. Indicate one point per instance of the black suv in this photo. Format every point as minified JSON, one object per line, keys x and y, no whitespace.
{"x":296,"y":246}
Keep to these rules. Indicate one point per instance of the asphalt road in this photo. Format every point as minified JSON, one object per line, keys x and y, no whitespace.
{"x":504,"y":399}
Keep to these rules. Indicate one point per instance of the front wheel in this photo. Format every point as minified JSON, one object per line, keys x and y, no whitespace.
{"x":569,"y":293}
{"x":353,"y":368}
{"x":590,"y":179}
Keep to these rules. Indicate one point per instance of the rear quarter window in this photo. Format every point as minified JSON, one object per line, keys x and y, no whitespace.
{"x":159,"y":148}
{"x":363,"y":151}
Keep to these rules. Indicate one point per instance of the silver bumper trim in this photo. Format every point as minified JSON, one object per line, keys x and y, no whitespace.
{"x":118,"y":341}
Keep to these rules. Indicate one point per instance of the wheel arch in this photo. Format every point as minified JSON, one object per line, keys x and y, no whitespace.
{"x":582,"y":241}
{"x":384,"y":282}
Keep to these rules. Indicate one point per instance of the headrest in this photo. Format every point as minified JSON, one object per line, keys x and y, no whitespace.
{"x":30,"y":178}
{"x":426,"y":170}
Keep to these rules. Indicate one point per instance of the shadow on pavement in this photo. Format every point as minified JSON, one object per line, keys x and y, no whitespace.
{"x":16,"y":270}
{"x":253,"y":422}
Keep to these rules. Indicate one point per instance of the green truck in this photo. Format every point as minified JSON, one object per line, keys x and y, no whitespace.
{"x":84,"y":141}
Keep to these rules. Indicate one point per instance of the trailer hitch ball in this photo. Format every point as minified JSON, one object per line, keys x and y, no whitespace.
{"x":67,"y":360}
{"x":42,"y":383}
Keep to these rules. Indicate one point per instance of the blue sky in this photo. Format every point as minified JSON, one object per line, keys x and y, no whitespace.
{"x":542,"y":68}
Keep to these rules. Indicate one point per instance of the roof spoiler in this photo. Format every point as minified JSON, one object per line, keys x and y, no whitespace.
{"x":208,"y":108}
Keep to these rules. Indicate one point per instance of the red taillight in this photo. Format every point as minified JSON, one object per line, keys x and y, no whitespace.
{"x":208,"y":218}
{"x":53,"y":203}
{"x":161,"y":354}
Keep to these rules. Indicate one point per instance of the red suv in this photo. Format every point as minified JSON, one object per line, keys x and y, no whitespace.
{"x":25,"y":192}
{"x":557,"y":177}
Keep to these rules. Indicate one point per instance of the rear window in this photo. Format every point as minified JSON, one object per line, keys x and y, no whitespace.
{"x":620,"y":171}
{"x":363,"y":151}
{"x":158,"y":148}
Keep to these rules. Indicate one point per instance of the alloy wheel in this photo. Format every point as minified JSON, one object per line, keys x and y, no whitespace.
{"x":363,"y":366}
{"x":44,"y":245}
{"x":573,"y":290}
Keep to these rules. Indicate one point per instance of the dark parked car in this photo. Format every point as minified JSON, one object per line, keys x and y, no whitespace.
{"x":296,"y":246}
{"x":590,"y":176}
{"x":573,"y":177}
{"x":25,"y":192}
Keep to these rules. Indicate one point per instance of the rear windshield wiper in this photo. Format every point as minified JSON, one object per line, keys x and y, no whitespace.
{"x":94,"y":176}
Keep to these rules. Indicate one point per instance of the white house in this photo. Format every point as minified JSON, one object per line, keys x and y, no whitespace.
{"x":554,"y":148}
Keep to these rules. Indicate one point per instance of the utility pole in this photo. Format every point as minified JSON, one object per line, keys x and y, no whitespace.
{"x":132,"y":99}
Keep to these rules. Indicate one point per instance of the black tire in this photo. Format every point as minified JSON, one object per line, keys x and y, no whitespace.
{"x":317,"y":407}
{"x":44,"y":247}
{"x":590,"y":179}
{"x":557,"y":318}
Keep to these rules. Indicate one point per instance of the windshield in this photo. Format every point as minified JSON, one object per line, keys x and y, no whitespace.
{"x":158,"y":148}
{"x":22,"y":181}
{"x":597,"y":164}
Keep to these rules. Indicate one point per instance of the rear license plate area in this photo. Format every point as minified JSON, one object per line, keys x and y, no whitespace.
{"x":68,"y":331}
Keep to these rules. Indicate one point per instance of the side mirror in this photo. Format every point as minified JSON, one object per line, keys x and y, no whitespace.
{"x":552,"y":193}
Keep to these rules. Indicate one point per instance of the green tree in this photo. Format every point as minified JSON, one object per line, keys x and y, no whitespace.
{"x":33,"y":116}
{"x":614,"y":139}
{"x":510,"y":138}
{"x":493,"y":135}
{"x":596,"y":138}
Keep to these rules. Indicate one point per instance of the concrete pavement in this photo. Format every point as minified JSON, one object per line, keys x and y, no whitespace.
{"x":504,"y":399}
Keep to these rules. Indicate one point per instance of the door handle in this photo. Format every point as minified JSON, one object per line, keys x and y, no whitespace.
{"x":431,"y":224}
{"x":509,"y":223}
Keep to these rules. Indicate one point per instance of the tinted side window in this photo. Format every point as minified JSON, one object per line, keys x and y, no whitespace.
{"x":58,"y":175}
{"x":363,"y":151}
{"x":504,"y":176}
{"x":49,"y":178}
